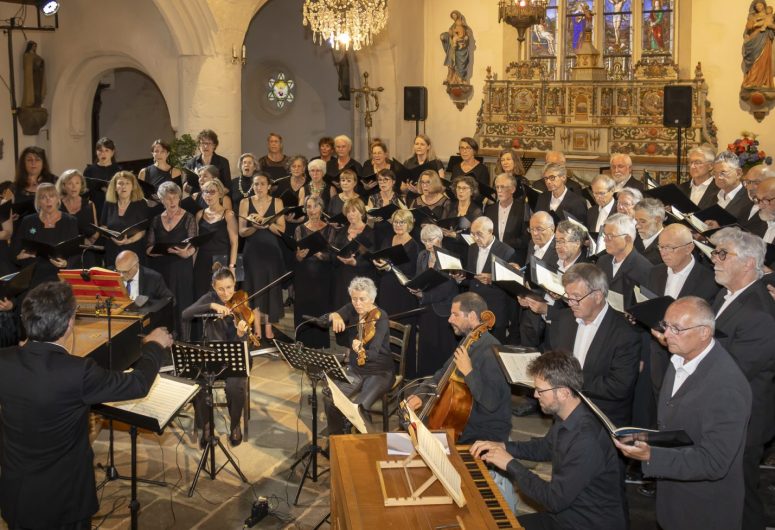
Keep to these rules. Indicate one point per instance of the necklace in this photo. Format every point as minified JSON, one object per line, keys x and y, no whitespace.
{"x":239,"y":185}
{"x":316,"y":190}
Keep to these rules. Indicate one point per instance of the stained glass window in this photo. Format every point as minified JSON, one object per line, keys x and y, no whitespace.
{"x":543,"y":39}
{"x":617,"y":37}
{"x":658,"y":27}
{"x":281,"y":90}
{"x":579,"y":18}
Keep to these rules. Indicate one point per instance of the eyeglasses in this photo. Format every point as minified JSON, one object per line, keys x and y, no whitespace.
{"x":399,"y":223}
{"x":723,"y":174}
{"x":609,"y":237}
{"x":206,"y":144}
{"x":675,"y":330}
{"x":601,"y":193}
{"x":765,"y":201}
{"x":551,"y":178}
{"x":465,"y":148}
{"x":539,"y":230}
{"x":539,"y":392}
{"x":209,"y":191}
{"x":480,"y":235}
{"x":563,"y":242}
{"x":668,"y":249}
{"x":576,"y":301}
{"x":126,"y":271}
{"x":698,"y":163}
{"x":748,"y":182}
{"x":721,"y":254}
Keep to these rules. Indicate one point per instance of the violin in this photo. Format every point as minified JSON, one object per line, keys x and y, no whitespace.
{"x":241,"y":312}
{"x":367,"y":328}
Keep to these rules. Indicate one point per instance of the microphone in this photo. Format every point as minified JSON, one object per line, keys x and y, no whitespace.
{"x":321,"y":321}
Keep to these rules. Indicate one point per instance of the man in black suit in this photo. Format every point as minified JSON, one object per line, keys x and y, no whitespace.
{"x":622,"y":264}
{"x":147,"y":289}
{"x":763,"y":223}
{"x":600,"y":338}
{"x":701,"y":188}
{"x":731,"y":196}
{"x":649,"y":215}
{"x":706,"y":395}
{"x":45,"y":395}
{"x":621,"y":172}
{"x":745,"y":315}
{"x":558,"y":199}
{"x":508,"y":216}
{"x":603,"y":192}
{"x":480,"y":262}
{"x":542,"y":238}
{"x":585,"y":489}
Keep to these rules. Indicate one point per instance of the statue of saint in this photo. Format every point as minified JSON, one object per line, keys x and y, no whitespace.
{"x":457,"y":42}
{"x":757,"y":46}
{"x":34,"y":82}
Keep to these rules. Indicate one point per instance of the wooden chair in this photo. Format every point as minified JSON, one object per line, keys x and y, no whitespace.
{"x":399,"y":342}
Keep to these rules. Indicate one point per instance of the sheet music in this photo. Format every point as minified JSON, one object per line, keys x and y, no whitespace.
{"x":504,"y":274}
{"x":164,"y":399}
{"x":400,"y":444}
{"x":515,"y":365}
{"x":448,"y":262}
{"x":549,"y":280}
{"x":639,"y":296}
{"x":705,"y":249}
{"x":346,"y":407}
{"x":677,"y":213}
{"x":697,"y":223}
{"x":432,"y":453}
{"x":468,"y":238}
{"x":616,"y":301}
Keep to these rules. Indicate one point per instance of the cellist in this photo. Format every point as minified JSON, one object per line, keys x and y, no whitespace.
{"x":371,"y":367}
{"x":228,"y":328}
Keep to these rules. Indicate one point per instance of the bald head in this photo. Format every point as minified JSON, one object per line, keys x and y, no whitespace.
{"x":765,"y":196}
{"x":554,"y":157}
{"x":126,"y":258}
{"x":541,"y":228}
{"x":689,"y":326}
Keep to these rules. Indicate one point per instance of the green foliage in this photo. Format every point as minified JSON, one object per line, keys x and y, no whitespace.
{"x":183,"y":148}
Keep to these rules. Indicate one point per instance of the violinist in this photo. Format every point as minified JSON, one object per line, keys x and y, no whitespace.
{"x":371,"y":367}
{"x":235,"y":324}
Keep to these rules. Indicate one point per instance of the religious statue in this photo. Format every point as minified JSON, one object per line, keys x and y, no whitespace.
{"x":34,"y":82}
{"x":757,"y":46}
{"x":342,"y":64}
{"x":457,"y":42}
{"x":618,"y":5}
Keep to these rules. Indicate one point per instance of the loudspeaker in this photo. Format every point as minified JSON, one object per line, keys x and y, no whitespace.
{"x":415,"y":103}
{"x":677,"y":110}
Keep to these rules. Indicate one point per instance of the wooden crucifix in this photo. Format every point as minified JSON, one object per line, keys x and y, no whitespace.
{"x":364,"y":93}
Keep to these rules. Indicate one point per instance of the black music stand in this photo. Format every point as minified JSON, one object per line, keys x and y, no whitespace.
{"x":315,"y":363}
{"x":206,"y":365}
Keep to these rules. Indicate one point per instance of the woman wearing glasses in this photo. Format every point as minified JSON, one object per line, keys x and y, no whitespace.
{"x":386,"y":194}
{"x":468,"y":148}
{"x":222,"y":221}
{"x":207,"y":141}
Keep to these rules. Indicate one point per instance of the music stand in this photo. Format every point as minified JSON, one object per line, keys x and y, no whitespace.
{"x":206,"y":365}
{"x":316,"y":364}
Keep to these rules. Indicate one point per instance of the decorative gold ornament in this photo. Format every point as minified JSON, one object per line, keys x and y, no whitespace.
{"x":345,"y":23}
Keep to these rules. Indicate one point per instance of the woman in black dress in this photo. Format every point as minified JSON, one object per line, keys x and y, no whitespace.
{"x":463,"y":206}
{"x":423,"y":153}
{"x":241,"y":186}
{"x":50,"y":225}
{"x":31,"y":170}
{"x":348,"y":267}
{"x":71,"y":187}
{"x":173,"y":225}
{"x":349,"y":182}
{"x":393,"y":297}
{"x":437,"y":339}
{"x":161,"y":170}
{"x":432,"y":196}
{"x":124,"y":207}
{"x":101,"y":171}
{"x":263,"y":255}
{"x":292,"y":191}
{"x":343,"y":147}
{"x":195,"y":202}
{"x":380,"y":159}
{"x":214,"y":218}
{"x":312,"y":278}
{"x":510,"y":162}
{"x":317,"y":185}
{"x":468,"y":148}
{"x":386,"y":180}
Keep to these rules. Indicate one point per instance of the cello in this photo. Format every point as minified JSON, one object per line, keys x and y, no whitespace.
{"x":450,"y":406}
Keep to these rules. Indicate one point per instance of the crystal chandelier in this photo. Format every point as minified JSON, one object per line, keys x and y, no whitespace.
{"x":345,"y":23}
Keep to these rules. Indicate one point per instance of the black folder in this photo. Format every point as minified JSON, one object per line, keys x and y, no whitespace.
{"x":315,"y":242}
{"x":338,"y":219}
{"x":5,"y":211}
{"x":486,"y":191}
{"x":412,"y":175}
{"x":651,"y":312}
{"x":368,"y":179}
{"x":384,"y":213}
{"x":63,"y":249}
{"x":532,"y":196}
{"x":23,"y":208}
{"x":456,"y":224}
{"x":350,"y":249}
{"x":423,"y":214}
{"x":149,"y":190}
{"x":194,"y":241}
{"x":428,"y":279}
{"x":671,"y":195}
{"x":513,"y":287}
{"x":126,"y":232}
{"x":396,"y":255}
{"x":718,"y":214}
{"x":14,"y":284}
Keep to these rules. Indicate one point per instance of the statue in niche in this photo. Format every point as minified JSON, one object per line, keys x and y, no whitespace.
{"x":457,"y":43}
{"x":757,"y":46}
{"x":33,"y":68}
{"x":342,"y":64}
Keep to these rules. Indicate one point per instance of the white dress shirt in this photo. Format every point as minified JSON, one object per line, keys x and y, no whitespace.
{"x":724,"y":199}
{"x":754,"y":210}
{"x":481,"y":258}
{"x":769,"y":235}
{"x":676,"y":280}
{"x":730,"y":297}
{"x":684,"y":369}
{"x":602,"y":215}
{"x":539,"y":252}
{"x":554,"y":202}
{"x":584,"y":335}
{"x":647,"y":242}
{"x":697,"y":191}
{"x":503,"y":217}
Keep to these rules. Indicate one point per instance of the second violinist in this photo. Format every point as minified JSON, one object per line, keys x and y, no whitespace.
{"x":227,"y":328}
{"x":371,"y":367}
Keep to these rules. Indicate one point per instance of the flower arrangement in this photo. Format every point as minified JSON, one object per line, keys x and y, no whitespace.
{"x":747,"y":150}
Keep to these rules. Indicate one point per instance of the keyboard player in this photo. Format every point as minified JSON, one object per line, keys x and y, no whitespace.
{"x":146,"y":288}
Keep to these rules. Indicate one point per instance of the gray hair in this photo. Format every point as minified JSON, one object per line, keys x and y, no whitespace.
{"x":317,"y":164}
{"x":701,"y":312}
{"x":592,"y":276}
{"x":430,"y":232}
{"x":621,"y":156}
{"x":509,"y":177}
{"x":653,"y":208}
{"x":624,"y":224}
{"x":634,"y":193}
{"x":746,"y":245}
{"x":728,"y":158}
{"x":544,"y":218}
{"x":168,"y":188}
{"x":361,"y":283}
{"x":313,"y":198}
{"x":572,"y":231}
{"x":605,"y":179}
{"x":707,"y":152}
{"x":343,"y":138}
{"x":559,"y":169}
{"x":485,"y":222}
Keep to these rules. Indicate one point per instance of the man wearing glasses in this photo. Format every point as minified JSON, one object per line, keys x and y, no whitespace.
{"x":701,"y":188}
{"x":560,"y":198}
{"x":706,"y":395}
{"x":606,"y":346}
{"x":649,"y":215}
{"x":585,"y":490}
{"x":621,"y":171}
{"x":731,"y":196}
{"x":745,"y":314}
{"x":622,"y":264}
{"x":763,"y":223}
{"x":602,"y":188}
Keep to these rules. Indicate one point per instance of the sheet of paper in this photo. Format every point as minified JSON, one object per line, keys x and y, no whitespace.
{"x":616,"y":301}
{"x":400,"y":444}
{"x":448,"y":263}
{"x":515,"y":365}
{"x":639,"y":296}
{"x":705,"y":249}
{"x":549,"y":280}
{"x":468,"y":238}
{"x":346,"y":407}
{"x":504,"y":274}
{"x":164,"y":398}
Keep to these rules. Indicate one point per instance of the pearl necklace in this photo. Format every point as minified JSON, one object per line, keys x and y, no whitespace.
{"x":239,"y":185}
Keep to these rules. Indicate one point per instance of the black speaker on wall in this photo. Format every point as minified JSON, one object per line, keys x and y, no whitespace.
{"x":415,"y":103}
{"x":677,"y":110}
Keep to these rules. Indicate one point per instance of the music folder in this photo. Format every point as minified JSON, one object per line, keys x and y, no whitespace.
{"x":412,"y":175}
{"x":63,"y":249}
{"x":384,"y":213}
{"x":194,"y":241}
{"x":14,"y":284}
{"x":350,"y":410}
{"x":338,"y":219}
{"x":428,"y":279}
{"x":5,"y":211}
{"x":511,"y":280}
{"x":350,"y":249}
{"x":396,"y":255}
{"x":532,"y":196}
{"x":449,"y":262}
{"x":315,"y":242}
{"x":486,"y":191}
{"x":514,"y":361}
{"x":423,"y":214}
{"x":651,"y":312}
{"x":368,"y":179}
{"x":149,"y":190}
{"x":629,"y":435}
{"x":546,"y":278}
{"x":455,"y":224}
{"x":126,"y":232}
{"x":718,"y":214}
{"x":671,"y":195}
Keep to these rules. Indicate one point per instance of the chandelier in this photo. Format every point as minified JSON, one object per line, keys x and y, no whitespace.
{"x":522,"y":14}
{"x":345,"y":23}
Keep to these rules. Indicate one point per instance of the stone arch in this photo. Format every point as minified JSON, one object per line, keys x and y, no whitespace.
{"x":191,"y":24}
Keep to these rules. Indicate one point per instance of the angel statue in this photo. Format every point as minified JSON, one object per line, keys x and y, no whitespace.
{"x":457,"y":42}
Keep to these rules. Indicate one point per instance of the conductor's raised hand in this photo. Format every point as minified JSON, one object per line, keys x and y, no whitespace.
{"x":337,"y":323}
{"x":160,"y":336}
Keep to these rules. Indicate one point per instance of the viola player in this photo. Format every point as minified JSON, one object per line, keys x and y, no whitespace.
{"x":227,"y":328}
{"x":371,"y":367}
